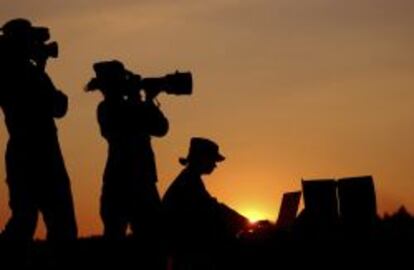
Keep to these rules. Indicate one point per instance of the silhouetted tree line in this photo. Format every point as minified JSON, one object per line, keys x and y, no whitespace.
{"x":187,"y":228}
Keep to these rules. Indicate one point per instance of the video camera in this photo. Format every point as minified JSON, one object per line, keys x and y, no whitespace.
{"x":41,"y":49}
{"x":112,"y":76}
{"x":21,"y":31}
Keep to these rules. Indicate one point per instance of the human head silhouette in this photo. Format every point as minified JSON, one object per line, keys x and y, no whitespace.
{"x":202,"y":155}
{"x":112,"y":79}
{"x":17,"y":33}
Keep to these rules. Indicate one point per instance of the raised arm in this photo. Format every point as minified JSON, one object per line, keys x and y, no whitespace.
{"x":156,"y":124}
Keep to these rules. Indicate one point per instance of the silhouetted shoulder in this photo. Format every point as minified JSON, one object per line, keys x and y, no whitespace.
{"x":188,"y":194}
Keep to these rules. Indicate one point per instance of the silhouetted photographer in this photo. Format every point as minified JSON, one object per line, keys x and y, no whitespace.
{"x":36,"y":173}
{"x":128,"y":118}
{"x":202,"y":231}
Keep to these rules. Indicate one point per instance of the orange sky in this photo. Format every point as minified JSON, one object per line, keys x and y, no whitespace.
{"x":290,"y":89}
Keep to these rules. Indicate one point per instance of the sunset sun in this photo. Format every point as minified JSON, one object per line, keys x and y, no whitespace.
{"x":254,"y":215}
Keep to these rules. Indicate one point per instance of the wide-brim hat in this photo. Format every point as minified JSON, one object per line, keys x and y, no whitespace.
{"x":22,"y":28}
{"x":202,"y":148}
{"x":107,"y":73}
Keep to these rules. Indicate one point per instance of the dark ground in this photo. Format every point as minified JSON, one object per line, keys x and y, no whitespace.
{"x":389,"y":244}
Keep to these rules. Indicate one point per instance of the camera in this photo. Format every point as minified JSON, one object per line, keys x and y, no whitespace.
{"x":45,"y":50}
{"x":21,"y":31}
{"x":112,"y":76}
{"x":40,"y":49}
{"x":177,"y":83}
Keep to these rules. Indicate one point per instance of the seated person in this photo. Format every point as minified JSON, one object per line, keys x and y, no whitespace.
{"x":199,"y":225}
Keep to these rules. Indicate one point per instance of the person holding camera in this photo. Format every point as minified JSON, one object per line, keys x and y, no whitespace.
{"x":128,"y":122}
{"x":36,"y":175}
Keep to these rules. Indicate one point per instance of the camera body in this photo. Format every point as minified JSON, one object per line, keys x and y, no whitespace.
{"x":112,"y":76}
{"x":41,"y":50}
